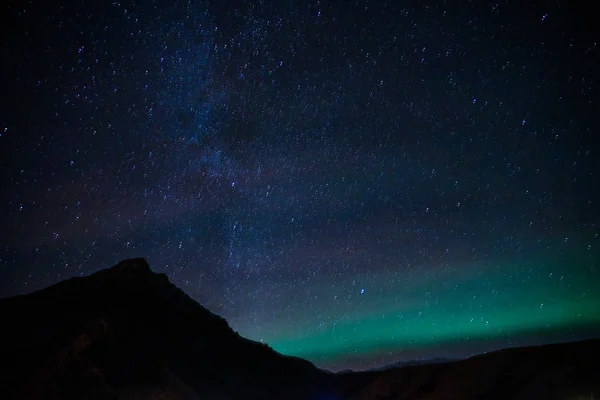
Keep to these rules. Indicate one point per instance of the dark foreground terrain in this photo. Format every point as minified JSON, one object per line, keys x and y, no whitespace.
{"x":128,"y":333}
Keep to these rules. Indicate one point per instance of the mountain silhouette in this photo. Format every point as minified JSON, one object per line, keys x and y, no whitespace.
{"x":411,"y":363}
{"x":128,"y":333}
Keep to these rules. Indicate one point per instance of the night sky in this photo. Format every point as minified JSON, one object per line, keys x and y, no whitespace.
{"x":353,"y":182}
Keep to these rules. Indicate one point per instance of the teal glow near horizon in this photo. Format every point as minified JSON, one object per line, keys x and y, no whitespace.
{"x":478,"y":301}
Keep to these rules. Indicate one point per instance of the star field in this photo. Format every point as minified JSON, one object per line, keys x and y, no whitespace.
{"x":355,"y":183}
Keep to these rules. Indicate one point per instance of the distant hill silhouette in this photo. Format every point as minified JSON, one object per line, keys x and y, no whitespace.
{"x":128,"y":333}
{"x":412,"y":363}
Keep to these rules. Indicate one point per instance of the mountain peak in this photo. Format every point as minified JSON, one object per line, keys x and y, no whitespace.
{"x":133,"y":264}
{"x":129,"y":269}
{"x":126,"y":325}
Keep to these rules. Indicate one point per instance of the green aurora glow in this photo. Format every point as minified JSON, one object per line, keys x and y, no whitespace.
{"x":478,"y":301}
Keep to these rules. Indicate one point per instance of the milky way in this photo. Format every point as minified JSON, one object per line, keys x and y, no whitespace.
{"x":351,"y":182}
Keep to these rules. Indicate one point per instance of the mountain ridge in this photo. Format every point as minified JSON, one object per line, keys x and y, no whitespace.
{"x":130,"y":301}
{"x":126,"y":332}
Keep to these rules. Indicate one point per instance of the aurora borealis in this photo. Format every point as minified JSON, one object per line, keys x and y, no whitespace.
{"x":433,"y":318}
{"x":355,"y":183}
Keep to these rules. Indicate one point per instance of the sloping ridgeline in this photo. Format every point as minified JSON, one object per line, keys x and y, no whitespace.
{"x":128,"y":333}
{"x":127,"y":330}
